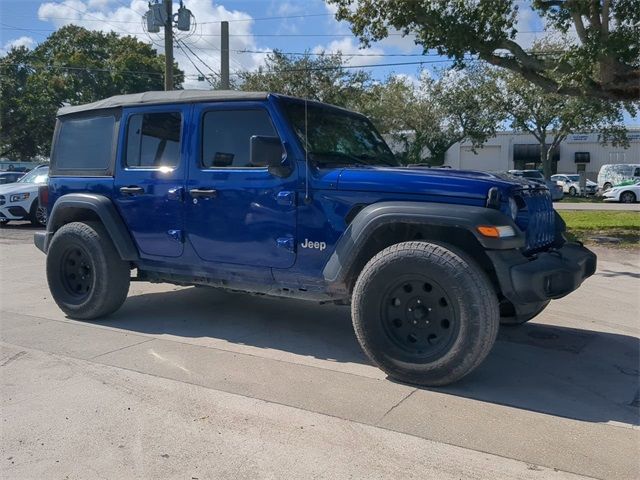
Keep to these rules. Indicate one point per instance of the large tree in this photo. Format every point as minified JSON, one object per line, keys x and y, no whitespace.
{"x":72,"y":66}
{"x":550,"y":118}
{"x":427,"y":119}
{"x":318,"y":77}
{"x":602,"y":61}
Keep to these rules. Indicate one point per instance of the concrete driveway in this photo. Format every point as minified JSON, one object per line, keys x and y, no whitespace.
{"x":196,"y":383}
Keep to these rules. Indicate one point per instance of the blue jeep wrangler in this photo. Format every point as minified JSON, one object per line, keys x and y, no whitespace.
{"x":273,"y":195}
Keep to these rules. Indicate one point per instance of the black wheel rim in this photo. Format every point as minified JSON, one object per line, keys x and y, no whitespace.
{"x":627,"y":197}
{"x":77,"y":272}
{"x":419,"y":317}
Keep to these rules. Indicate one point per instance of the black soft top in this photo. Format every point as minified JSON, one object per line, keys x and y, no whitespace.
{"x":157,"y":98}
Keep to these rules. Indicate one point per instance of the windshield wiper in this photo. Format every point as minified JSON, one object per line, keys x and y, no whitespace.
{"x":375,"y":157}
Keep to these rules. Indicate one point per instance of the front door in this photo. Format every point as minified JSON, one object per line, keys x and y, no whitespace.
{"x":238,"y":212}
{"x":150,"y":178}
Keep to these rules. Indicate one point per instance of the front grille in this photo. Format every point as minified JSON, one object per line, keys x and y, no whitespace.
{"x":537,"y":219}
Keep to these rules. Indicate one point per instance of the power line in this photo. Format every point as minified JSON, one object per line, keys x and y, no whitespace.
{"x":196,"y":55}
{"x":178,"y":42}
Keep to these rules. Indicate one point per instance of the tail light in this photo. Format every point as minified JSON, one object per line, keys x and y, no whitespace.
{"x":43,"y":196}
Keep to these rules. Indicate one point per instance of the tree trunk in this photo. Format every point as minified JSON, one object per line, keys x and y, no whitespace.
{"x":545,"y":158}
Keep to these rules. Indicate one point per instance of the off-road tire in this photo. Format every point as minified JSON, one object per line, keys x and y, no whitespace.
{"x":628,"y":197}
{"x":80,"y":248}
{"x":461,"y":285}
{"x":519,"y":320}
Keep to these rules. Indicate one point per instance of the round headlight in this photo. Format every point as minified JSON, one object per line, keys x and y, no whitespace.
{"x":513,"y":207}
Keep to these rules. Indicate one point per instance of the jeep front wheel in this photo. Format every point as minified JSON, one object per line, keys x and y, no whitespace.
{"x":86,"y":276}
{"x":424,"y":314}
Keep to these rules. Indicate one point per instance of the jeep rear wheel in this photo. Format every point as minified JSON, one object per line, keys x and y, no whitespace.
{"x":86,"y":276}
{"x":424,"y":314}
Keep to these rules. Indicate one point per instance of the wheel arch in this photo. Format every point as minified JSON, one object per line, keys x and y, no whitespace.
{"x":90,"y":207}
{"x":381,"y":225}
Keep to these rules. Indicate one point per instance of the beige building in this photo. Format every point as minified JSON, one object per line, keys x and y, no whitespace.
{"x":510,"y":150}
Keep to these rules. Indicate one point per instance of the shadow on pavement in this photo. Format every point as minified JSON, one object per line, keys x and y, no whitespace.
{"x":580,"y":374}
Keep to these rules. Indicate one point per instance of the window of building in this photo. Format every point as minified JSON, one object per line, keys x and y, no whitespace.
{"x":226,"y":136}
{"x":153,"y":140}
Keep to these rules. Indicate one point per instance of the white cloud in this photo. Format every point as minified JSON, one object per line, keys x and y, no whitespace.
{"x":19,"y":42}
{"x":349,"y":45}
{"x":105,"y":15}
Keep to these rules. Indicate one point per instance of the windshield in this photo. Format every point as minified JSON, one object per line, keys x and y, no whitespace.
{"x":39,"y":175}
{"x":574,"y":178}
{"x":338,"y":137}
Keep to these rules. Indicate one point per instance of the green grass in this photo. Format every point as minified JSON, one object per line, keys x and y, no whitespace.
{"x":600,"y":220}
{"x":592,"y":226}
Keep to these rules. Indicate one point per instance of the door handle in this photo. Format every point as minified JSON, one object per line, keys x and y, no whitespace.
{"x":134,"y":190}
{"x":203,"y":193}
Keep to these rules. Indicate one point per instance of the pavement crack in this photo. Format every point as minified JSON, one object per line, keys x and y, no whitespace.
{"x":395,"y":406}
{"x":122,"y":348}
{"x":12,"y":358}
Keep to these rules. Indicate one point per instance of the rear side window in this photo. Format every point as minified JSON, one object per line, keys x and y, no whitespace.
{"x":85,"y":144}
{"x":153,"y":140}
{"x":226,"y":136}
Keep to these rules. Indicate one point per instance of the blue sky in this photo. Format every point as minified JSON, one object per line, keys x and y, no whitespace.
{"x":256,"y":26}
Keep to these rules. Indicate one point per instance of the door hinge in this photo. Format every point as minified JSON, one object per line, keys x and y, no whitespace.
{"x":286,"y":242}
{"x":176,"y":235}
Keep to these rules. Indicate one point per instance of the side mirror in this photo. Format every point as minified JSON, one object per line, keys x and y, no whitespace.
{"x":268,"y":152}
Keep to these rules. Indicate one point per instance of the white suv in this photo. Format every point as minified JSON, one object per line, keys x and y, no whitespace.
{"x":19,"y":200}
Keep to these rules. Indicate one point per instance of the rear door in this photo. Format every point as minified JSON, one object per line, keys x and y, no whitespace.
{"x":150,"y":177}
{"x":248,"y":216}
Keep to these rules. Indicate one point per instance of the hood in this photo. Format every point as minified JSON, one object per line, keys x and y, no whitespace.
{"x":10,"y":188}
{"x":430,"y":181}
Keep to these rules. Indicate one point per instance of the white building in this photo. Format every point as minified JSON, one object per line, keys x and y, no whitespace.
{"x":511,"y":150}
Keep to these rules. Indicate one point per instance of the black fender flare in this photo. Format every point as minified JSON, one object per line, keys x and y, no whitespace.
{"x":374,"y":216}
{"x":66,"y":209}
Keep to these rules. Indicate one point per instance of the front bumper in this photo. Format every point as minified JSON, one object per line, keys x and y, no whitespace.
{"x":545,"y":276}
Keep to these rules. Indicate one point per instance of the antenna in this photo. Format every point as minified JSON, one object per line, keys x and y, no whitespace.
{"x":307,"y":197}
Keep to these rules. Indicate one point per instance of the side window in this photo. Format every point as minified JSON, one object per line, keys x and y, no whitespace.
{"x":153,"y":140}
{"x":226,"y":136}
{"x":84,"y":143}
{"x":636,"y":172}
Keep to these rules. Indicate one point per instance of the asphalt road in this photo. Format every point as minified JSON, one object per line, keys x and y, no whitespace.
{"x":625,"y":207}
{"x":194,"y":383}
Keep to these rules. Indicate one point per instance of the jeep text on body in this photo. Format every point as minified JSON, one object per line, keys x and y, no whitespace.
{"x":274,"y":195}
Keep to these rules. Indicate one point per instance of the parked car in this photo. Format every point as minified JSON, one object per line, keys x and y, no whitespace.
{"x":536,"y":176}
{"x":616,"y":173}
{"x":623,"y":193}
{"x":571,"y":184}
{"x":19,"y":200}
{"x":10,"y":177}
{"x":276,"y":195}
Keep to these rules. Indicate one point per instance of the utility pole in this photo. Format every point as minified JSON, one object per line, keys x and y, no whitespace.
{"x":224,"y":57}
{"x":168,"y":46}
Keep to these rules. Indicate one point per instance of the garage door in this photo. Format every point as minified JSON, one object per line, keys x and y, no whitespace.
{"x":487,"y":159}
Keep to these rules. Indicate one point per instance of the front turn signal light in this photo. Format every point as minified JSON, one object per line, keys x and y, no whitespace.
{"x":493,"y":231}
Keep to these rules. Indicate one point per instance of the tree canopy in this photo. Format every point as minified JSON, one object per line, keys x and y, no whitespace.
{"x":550,"y":118}
{"x":72,"y":66}
{"x":427,"y":119}
{"x":602,"y":59}
{"x":318,"y":77}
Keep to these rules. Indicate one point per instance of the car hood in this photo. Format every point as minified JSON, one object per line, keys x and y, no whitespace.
{"x":433,"y":181}
{"x":10,"y":188}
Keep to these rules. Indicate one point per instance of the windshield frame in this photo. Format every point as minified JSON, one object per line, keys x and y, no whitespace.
{"x":386,"y":158}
